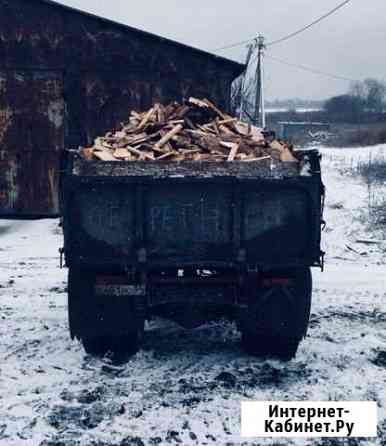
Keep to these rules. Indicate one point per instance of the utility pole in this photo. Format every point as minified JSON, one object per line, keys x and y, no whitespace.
{"x":260,"y":119}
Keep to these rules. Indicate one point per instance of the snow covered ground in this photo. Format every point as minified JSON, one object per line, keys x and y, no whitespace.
{"x":185,"y":387}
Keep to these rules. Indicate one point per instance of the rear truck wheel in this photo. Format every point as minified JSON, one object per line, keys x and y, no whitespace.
{"x":278,"y":313}
{"x":119,"y":346}
{"x":103,"y":323}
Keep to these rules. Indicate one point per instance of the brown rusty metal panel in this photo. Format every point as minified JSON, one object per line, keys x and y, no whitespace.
{"x":29,"y":184}
{"x":32,"y":123}
{"x":109,"y":98}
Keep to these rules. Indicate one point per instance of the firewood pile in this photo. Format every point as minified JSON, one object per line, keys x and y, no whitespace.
{"x":194,"y":131}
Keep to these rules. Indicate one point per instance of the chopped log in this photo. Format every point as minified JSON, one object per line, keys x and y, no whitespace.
{"x":276,"y":145}
{"x":146,"y":155}
{"x":139,"y":152}
{"x":166,"y":138}
{"x":146,"y":119}
{"x":188,"y":152}
{"x":206,"y":128}
{"x":159,"y":113}
{"x":198,"y":103}
{"x":287,"y":157}
{"x":225,"y":130}
{"x":227,"y":121}
{"x":102,"y":144}
{"x":261,"y":158}
{"x":174,"y":122}
{"x":167,"y":155}
{"x":122,"y":154}
{"x":104,"y":155}
{"x":242,"y":128}
{"x":256,"y":134}
{"x":86,"y":153}
{"x":233,"y":152}
{"x":215,"y":127}
{"x":206,"y":141}
{"x":136,"y":115}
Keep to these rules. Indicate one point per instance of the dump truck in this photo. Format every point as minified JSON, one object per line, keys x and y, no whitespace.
{"x":192,"y":242}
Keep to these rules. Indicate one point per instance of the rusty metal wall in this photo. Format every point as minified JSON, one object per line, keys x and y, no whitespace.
{"x":66,"y":77}
{"x":32,"y":120}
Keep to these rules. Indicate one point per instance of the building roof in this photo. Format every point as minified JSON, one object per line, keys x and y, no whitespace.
{"x":238,"y":67}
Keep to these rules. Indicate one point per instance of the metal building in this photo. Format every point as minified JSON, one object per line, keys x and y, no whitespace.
{"x":293,"y":130}
{"x":67,"y":76}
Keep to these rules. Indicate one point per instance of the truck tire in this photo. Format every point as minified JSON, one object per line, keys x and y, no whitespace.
{"x":119,"y":346}
{"x":104,"y":325}
{"x":277,"y":318}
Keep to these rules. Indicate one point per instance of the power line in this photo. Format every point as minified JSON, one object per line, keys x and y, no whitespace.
{"x":305,"y":28}
{"x":311,"y":70}
{"x":234,"y":45}
{"x":244,"y":42}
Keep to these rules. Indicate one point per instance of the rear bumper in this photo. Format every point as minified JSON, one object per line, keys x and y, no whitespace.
{"x":230,"y":288}
{"x":123,"y":264}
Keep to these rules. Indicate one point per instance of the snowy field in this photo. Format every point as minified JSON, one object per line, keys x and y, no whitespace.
{"x":297,"y":109}
{"x":185,"y":387}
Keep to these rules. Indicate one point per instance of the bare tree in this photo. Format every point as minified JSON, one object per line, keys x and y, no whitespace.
{"x":357,"y":89}
{"x":371,"y":92}
{"x":375,"y":94}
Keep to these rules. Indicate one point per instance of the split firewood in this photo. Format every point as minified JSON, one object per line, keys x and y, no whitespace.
{"x":261,"y":158}
{"x":87,"y":154}
{"x":146,"y":119}
{"x":139,"y":152}
{"x":227,"y":121}
{"x":276,"y":145}
{"x":146,"y":155}
{"x":256,"y":134}
{"x":287,"y":157}
{"x":122,"y":154}
{"x":198,"y":103}
{"x":228,"y":145}
{"x":242,"y":128}
{"x":167,"y":155}
{"x":233,"y":152}
{"x":225,"y":130}
{"x":194,"y":131}
{"x":174,"y":122}
{"x":159,"y":113}
{"x":104,"y":155}
{"x":207,"y":128}
{"x":168,"y":136}
{"x":214,"y":124}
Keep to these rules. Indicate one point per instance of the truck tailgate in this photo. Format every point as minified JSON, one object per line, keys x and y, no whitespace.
{"x":176,"y":221}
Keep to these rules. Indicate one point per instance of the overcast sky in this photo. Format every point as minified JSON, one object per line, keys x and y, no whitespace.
{"x":350,"y":43}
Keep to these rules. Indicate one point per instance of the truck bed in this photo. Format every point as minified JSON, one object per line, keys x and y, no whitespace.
{"x":191,"y":213}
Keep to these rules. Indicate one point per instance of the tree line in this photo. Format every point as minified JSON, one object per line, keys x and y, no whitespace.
{"x":365,"y":96}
